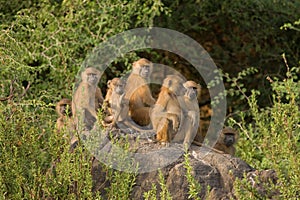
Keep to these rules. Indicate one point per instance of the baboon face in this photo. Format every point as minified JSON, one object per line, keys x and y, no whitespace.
{"x":63,"y":109}
{"x":191,"y":92}
{"x":229,"y":139}
{"x":112,"y":83}
{"x":143,"y":68}
{"x":192,"y":89}
{"x":92,"y":78}
{"x":119,"y":87}
{"x":145,"y":71}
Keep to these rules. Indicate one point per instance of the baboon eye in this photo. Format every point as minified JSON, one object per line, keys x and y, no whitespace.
{"x":145,"y":66}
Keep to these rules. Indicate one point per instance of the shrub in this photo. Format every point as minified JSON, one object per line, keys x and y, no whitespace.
{"x":271,"y":141}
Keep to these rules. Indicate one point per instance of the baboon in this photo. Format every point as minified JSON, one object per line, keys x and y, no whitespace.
{"x":63,"y":109}
{"x":138,"y":92}
{"x":111,"y":84}
{"x":190,"y":128}
{"x":120,"y":108}
{"x":167,"y":113}
{"x":228,"y":137}
{"x":87,"y":98}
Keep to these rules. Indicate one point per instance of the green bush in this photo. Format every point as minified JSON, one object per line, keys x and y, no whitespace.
{"x":42,"y":46}
{"x":271,"y":140}
{"x":240,"y":35}
{"x":46,"y":44}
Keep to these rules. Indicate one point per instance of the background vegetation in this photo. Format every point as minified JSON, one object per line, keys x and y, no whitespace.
{"x":43,"y":44}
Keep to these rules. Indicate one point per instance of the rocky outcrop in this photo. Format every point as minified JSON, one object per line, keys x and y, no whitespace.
{"x":215,"y":172}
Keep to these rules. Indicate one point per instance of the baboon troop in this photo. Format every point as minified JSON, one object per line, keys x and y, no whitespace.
{"x":128,"y":104}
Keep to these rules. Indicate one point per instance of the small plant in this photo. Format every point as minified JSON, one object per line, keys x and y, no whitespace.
{"x":164,"y":194}
{"x":151,"y":194}
{"x":194,"y":186}
{"x":121,"y":182}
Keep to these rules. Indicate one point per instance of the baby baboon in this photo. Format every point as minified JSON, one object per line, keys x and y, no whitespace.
{"x":167,"y":115}
{"x":228,"y":137}
{"x":63,"y":109}
{"x":111,"y":84}
{"x":87,"y":97}
{"x":138,"y":92}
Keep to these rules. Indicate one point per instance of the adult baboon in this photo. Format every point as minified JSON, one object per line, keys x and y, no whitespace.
{"x":190,"y":127}
{"x":87,"y":98}
{"x":167,"y":113}
{"x":138,"y":92}
{"x":228,"y":137}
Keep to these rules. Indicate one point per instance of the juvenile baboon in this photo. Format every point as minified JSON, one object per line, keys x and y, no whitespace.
{"x":111,"y":84}
{"x":63,"y":109}
{"x":228,"y":137}
{"x":120,"y":108}
{"x":167,"y":113}
{"x":138,"y":92}
{"x":87,"y":98}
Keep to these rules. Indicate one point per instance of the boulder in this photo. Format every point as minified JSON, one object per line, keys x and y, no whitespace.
{"x":214,"y":171}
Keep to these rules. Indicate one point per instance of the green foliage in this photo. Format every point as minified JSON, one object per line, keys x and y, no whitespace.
{"x":45,"y":44}
{"x":121,"y":183}
{"x":271,"y":141}
{"x":244,"y":190}
{"x":194,"y":186}
{"x":42,"y":46}
{"x":164,"y":193}
{"x":239,"y":35}
{"x":35,"y":159}
{"x":237,"y":29}
{"x":151,"y":194}
{"x":293,"y":26}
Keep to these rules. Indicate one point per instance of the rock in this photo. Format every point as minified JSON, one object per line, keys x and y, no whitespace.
{"x":215,"y":172}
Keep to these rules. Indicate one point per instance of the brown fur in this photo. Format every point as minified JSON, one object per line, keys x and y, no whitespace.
{"x":190,"y":128}
{"x":221,"y":143}
{"x":120,"y":109}
{"x":87,"y":97}
{"x":63,"y":113}
{"x":111,"y":84}
{"x":139,"y":94}
{"x":166,"y":115}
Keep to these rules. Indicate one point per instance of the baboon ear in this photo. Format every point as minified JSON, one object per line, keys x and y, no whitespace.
{"x":108,"y":83}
